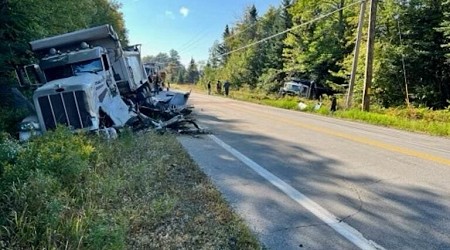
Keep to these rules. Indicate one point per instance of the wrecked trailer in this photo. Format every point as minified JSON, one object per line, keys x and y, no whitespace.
{"x":166,"y":110}
{"x":166,"y":104}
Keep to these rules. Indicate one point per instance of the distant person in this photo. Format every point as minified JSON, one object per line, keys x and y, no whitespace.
{"x":226,"y":86}
{"x":333,"y":104}
{"x":209,"y":87}
{"x":219,"y":87}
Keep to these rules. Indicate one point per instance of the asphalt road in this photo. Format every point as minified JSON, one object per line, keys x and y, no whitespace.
{"x":344,"y":185}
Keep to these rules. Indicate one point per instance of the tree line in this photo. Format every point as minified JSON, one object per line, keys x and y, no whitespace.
{"x":176,"y":72}
{"x":411,"y":49}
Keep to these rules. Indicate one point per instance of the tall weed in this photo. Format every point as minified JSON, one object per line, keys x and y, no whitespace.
{"x":40,"y":185}
{"x":10,"y":119}
{"x":66,"y":191}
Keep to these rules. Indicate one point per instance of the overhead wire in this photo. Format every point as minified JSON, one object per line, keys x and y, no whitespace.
{"x":290,"y":29}
{"x":201,"y":34}
{"x":194,"y":42}
{"x":193,"y":38}
{"x":252,"y":25}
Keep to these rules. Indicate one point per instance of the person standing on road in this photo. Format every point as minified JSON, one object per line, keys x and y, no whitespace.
{"x":226,"y":86}
{"x":219,"y":87}
{"x":333,"y":104}
{"x":209,"y":87}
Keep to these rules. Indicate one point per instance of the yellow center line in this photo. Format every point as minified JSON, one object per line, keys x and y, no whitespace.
{"x":351,"y":137}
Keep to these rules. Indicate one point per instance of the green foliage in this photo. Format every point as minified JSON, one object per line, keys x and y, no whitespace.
{"x":420,"y":48}
{"x":170,"y":63}
{"x":445,"y":28}
{"x":405,"y":119}
{"x":59,"y":154}
{"x":10,"y":119}
{"x":81,"y":192}
{"x":192,"y":73}
{"x":161,"y":58}
{"x":41,"y":182}
{"x":317,"y":49}
{"x":27,"y":20}
{"x":9,"y":150}
{"x":271,"y":51}
{"x":106,"y":232}
{"x":284,"y":103}
{"x":408,"y":56}
{"x":245,"y":67}
{"x":270,"y":81}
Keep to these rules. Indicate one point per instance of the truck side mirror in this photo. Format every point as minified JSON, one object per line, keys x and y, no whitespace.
{"x":20,"y":76}
{"x":30,"y":75}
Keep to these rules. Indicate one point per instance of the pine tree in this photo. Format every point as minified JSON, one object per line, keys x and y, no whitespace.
{"x":192,"y":73}
{"x":317,"y":49}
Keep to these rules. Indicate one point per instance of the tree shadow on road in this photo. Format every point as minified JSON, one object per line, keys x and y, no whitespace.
{"x":393,"y":214}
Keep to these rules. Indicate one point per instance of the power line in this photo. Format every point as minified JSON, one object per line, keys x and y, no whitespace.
{"x":200,"y":35}
{"x":256,"y":22}
{"x":192,"y":39}
{"x":193,"y":43}
{"x":290,"y":29}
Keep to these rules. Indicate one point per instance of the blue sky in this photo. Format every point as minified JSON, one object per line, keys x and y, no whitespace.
{"x":188,"y":26}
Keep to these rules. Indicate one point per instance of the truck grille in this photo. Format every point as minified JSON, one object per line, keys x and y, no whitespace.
{"x":69,"y":108}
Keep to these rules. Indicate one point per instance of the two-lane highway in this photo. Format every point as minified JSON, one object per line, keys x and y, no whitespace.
{"x":307,"y":181}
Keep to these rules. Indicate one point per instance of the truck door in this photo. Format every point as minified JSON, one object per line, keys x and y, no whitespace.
{"x":110,"y":81}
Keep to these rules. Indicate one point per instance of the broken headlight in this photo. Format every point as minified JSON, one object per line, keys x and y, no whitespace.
{"x":29,"y":125}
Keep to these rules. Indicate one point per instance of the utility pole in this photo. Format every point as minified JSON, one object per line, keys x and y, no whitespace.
{"x":356,"y":55}
{"x":369,"y":55}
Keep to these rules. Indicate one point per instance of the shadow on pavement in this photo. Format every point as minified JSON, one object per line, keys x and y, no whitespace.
{"x":393,"y":215}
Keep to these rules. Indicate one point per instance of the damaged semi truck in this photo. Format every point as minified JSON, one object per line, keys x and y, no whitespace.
{"x":86,"y":80}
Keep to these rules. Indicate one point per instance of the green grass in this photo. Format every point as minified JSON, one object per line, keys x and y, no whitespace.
{"x":439,"y":126}
{"x":10,"y":119}
{"x":141,"y":191}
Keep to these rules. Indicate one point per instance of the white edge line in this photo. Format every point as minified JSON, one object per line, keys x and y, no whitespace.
{"x":342,"y":228}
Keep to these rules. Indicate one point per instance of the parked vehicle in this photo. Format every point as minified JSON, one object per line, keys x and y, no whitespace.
{"x":294,"y":89}
{"x":305,"y":88}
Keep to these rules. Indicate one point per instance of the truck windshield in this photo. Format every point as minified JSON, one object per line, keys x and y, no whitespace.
{"x":91,"y":66}
{"x":68,"y":70}
{"x":293,"y":87}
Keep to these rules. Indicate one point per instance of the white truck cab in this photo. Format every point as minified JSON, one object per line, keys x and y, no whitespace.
{"x":80,"y":81}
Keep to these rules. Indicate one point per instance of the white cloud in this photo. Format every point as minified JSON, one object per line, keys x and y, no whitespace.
{"x":184,"y":11}
{"x":169,"y":14}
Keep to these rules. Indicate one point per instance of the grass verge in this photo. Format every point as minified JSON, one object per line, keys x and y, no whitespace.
{"x":141,"y":191}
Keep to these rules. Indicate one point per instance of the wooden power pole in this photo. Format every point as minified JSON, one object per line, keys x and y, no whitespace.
{"x":369,"y":55}
{"x":356,"y":55}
